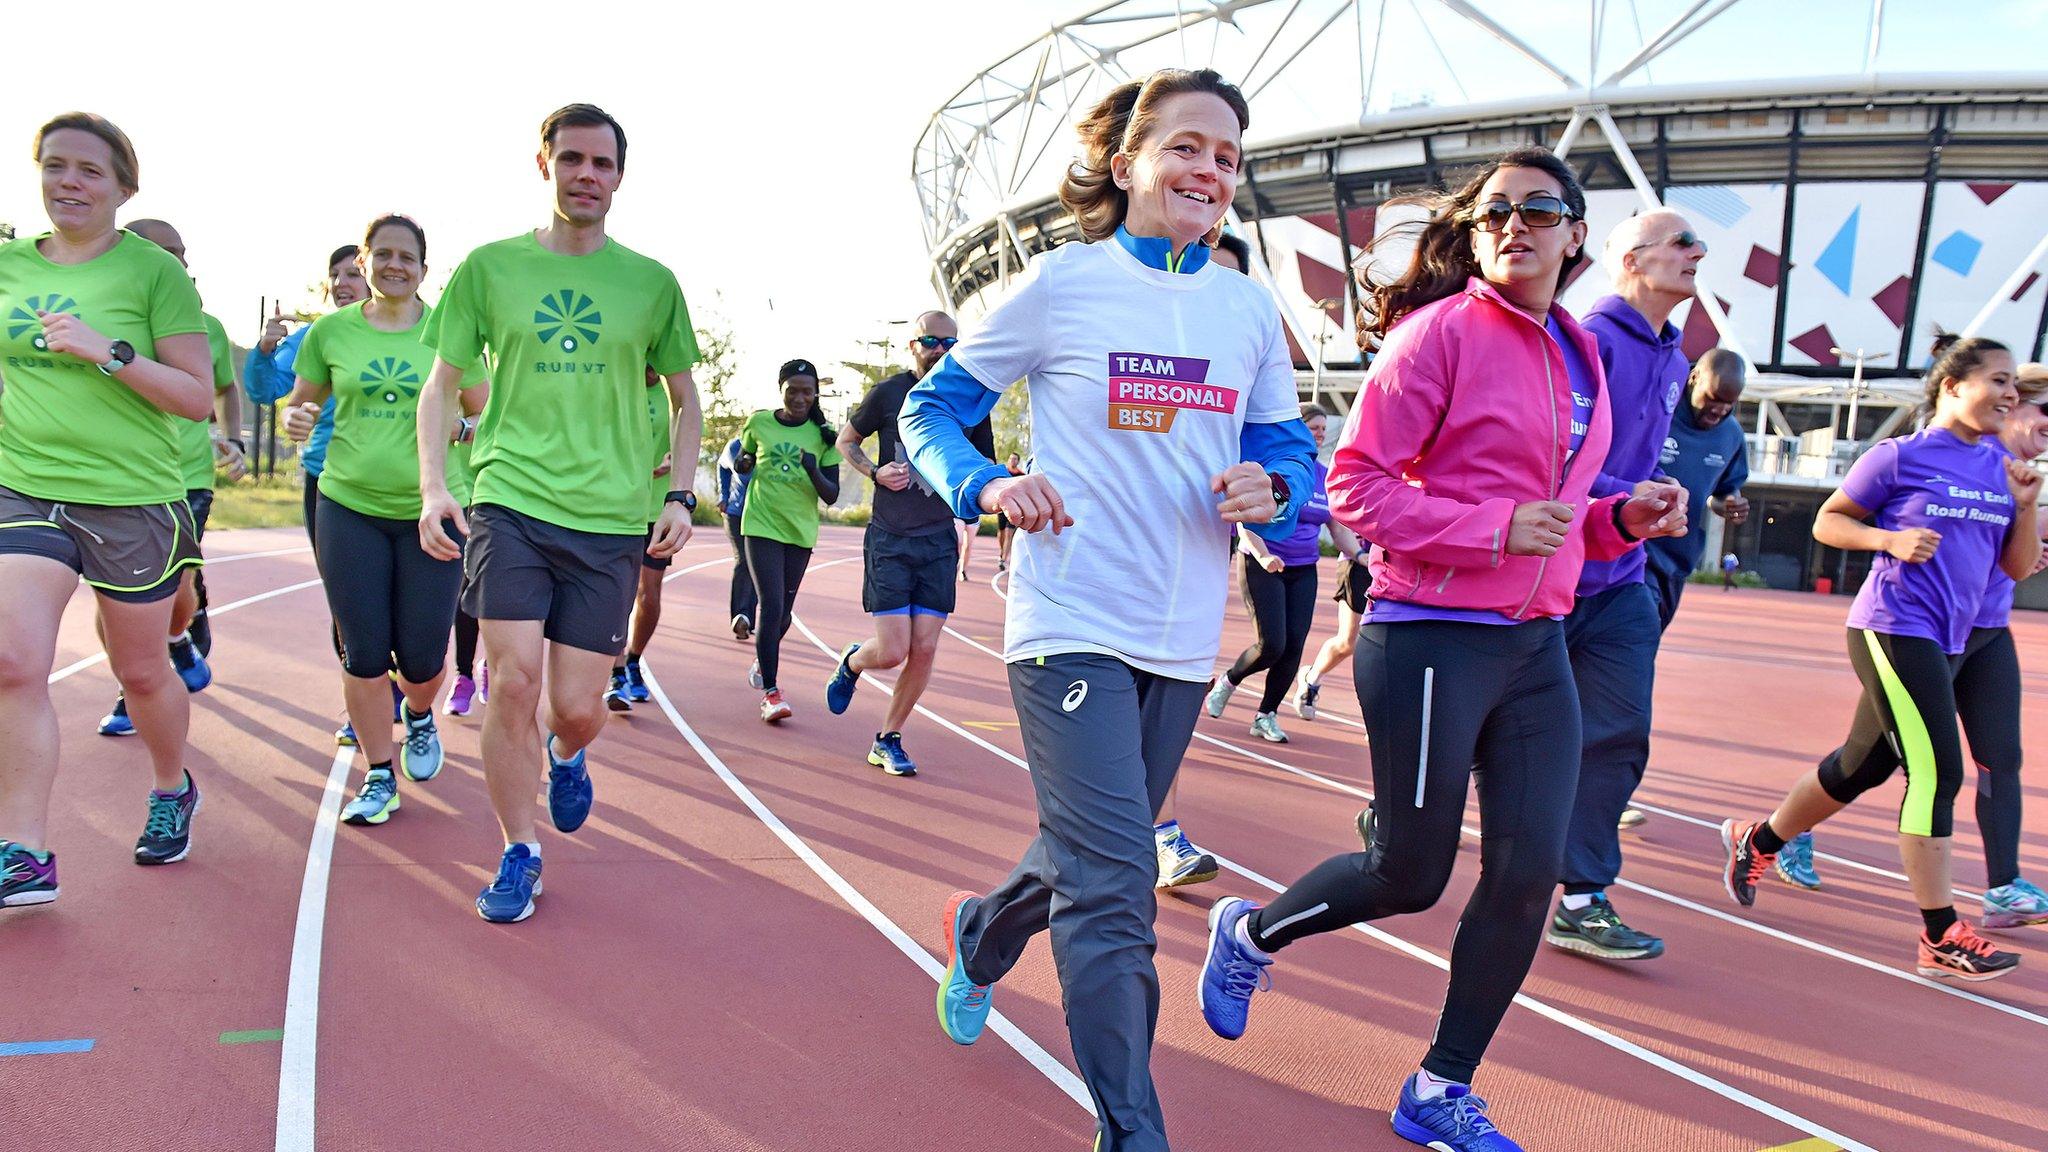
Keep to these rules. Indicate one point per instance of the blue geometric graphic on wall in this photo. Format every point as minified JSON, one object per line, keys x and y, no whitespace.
{"x":1715,"y":202}
{"x":1958,"y":252}
{"x":1838,"y":259}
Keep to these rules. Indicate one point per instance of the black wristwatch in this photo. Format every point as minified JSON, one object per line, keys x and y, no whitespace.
{"x":119,"y":355}
{"x":1282,"y":495}
{"x":683,"y":496}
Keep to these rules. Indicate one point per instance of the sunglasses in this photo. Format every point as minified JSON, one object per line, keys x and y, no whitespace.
{"x":1536,"y":212}
{"x":936,"y":341}
{"x":1687,"y":239}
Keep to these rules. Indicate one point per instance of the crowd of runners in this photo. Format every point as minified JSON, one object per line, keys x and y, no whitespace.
{"x":508,"y":471}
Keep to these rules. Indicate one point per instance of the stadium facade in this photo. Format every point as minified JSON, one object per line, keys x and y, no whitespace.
{"x":1849,"y":212}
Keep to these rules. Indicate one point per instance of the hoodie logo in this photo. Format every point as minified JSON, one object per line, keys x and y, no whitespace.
{"x":1671,"y":396}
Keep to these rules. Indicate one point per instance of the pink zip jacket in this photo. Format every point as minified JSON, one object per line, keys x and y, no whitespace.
{"x":1466,"y":414}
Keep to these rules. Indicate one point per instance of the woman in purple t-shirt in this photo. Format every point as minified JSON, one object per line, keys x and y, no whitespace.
{"x":1278,"y":582}
{"x":1942,"y":509}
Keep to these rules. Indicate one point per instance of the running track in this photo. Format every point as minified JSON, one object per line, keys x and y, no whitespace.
{"x":737,"y":952}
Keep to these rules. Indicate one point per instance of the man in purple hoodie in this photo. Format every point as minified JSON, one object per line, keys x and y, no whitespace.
{"x":1613,"y":629}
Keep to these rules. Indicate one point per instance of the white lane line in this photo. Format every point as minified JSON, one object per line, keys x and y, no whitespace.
{"x":295,"y":1079}
{"x":1025,"y":1046}
{"x":1830,"y":857}
{"x":1628,"y":1047}
{"x":221,"y":610}
{"x":216,"y":561}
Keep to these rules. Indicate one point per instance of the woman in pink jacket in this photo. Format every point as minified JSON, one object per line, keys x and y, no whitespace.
{"x":1477,"y":437}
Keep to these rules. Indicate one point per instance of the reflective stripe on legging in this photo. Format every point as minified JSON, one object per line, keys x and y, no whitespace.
{"x":1916,"y":749}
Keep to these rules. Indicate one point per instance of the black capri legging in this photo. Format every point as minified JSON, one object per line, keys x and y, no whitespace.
{"x":1907,"y":716}
{"x":392,"y":603}
{"x":1282,"y":606}
{"x":778,"y":570}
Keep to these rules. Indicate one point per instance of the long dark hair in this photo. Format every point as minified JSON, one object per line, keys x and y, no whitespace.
{"x":1443,"y":260}
{"x":1955,"y":357}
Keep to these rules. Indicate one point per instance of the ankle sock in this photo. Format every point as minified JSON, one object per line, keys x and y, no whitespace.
{"x":412,"y":717}
{"x":1576,"y":901}
{"x":1766,"y":841}
{"x":1242,"y":933}
{"x":383,"y":766}
{"x":180,"y":790}
{"x":1938,"y":921}
{"x":532,"y":846}
{"x":1432,"y":1087}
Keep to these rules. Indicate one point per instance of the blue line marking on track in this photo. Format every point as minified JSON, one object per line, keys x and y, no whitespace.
{"x":44,"y":1047}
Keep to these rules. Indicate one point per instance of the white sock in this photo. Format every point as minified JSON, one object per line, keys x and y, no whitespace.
{"x":1575,"y":902}
{"x":1244,"y":939}
{"x":1428,"y":1087}
{"x":532,"y":846}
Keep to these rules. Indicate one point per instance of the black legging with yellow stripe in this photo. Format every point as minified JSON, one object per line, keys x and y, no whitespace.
{"x":1907,"y":716}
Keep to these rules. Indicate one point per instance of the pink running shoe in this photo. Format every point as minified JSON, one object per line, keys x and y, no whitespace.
{"x":460,"y":696}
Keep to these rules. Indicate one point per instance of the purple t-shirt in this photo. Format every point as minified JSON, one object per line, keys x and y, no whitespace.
{"x":1996,"y":610}
{"x":1301,"y":546}
{"x":1932,"y":479}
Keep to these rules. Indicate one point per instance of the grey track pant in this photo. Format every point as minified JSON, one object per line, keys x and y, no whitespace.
{"x":1103,"y":740}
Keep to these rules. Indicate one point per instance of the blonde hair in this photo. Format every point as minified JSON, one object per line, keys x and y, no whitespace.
{"x":1122,"y":121}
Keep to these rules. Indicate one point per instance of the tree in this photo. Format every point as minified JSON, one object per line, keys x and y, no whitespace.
{"x":6,"y":231}
{"x":715,"y":372}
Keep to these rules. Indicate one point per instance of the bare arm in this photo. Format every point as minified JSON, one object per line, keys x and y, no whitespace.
{"x":850,"y":449}
{"x":437,"y":505}
{"x":179,"y":380}
{"x":686,"y":441}
{"x":227,"y":412}
{"x":1840,"y":524}
{"x":1346,"y":540}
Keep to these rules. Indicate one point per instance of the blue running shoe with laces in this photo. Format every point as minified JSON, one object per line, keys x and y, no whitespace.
{"x":345,"y":736}
{"x":618,"y":697}
{"x":509,"y":899}
{"x":1453,"y":1122}
{"x":888,"y":755}
{"x":2015,"y":905}
{"x":569,"y":791}
{"x":167,"y":834}
{"x":192,"y":667}
{"x":1230,"y":974}
{"x":1795,"y":863}
{"x":963,"y":1004}
{"x":117,"y":723}
{"x":420,"y":756}
{"x":839,"y":689}
{"x":24,"y":878}
{"x":636,"y":684}
{"x":375,"y":801}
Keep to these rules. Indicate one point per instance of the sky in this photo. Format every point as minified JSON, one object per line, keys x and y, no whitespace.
{"x":770,"y":143}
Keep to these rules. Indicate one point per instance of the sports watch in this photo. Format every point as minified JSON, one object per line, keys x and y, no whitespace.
{"x":683,"y":496}
{"x":119,"y":355}
{"x":1282,"y":495}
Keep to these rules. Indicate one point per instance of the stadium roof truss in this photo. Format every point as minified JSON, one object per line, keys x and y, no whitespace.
{"x":997,"y":147}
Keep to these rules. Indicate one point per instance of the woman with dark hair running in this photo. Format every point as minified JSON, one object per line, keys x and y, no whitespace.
{"x":1483,"y":521}
{"x":1278,"y":583}
{"x":790,"y":458}
{"x":393,"y":603}
{"x":103,"y":346}
{"x":1162,"y":413}
{"x":1943,"y":509}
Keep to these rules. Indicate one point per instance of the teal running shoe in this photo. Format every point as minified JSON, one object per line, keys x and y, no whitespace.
{"x":375,"y":801}
{"x":420,"y":756}
{"x":24,"y":879}
{"x":1795,"y":863}
{"x":2015,"y":905}
{"x":963,"y":1004}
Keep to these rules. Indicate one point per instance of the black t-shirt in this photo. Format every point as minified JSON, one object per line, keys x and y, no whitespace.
{"x":913,"y":511}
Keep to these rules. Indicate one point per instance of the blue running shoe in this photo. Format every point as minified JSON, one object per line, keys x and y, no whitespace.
{"x":569,"y":791}
{"x":888,"y":755}
{"x":375,"y":801}
{"x":636,"y":684}
{"x":420,"y":756}
{"x":963,"y":1005}
{"x":1230,"y":974}
{"x":509,"y":899}
{"x":839,"y":690}
{"x":191,"y":666}
{"x":345,"y":736}
{"x":1795,"y":863}
{"x":167,"y":835}
{"x":117,"y":723}
{"x":1453,"y":1122}
{"x":618,"y":698}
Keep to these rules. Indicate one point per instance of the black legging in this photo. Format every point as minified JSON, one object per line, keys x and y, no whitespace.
{"x":311,"y":498}
{"x":1988,"y":701}
{"x":778,"y":570}
{"x":1499,"y":706}
{"x":1282,"y":606}
{"x":391,"y":601}
{"x":1907,"y":715}
{"x":743,"y":598}
{"x":467,"y":631}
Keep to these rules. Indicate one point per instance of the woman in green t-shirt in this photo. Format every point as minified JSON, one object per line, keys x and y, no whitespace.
{"x":393,"y":603}
{"x":101,"y":345}
{"x":791,"y":460}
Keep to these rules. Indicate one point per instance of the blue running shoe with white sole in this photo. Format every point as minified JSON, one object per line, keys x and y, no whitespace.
{"x":618,"y":697}
{"x":420,"y":757}
{"x":888,"y":755}
{"x":636,"y":684}
{"x":509,"y":899}
{"x":569,"y":791}
{"x":1230,"y":974}
{"x":1795,"y":863}
{"x":2015,"y":905}
{"x":192,"y":667}
{"x":167,"y":834}
{"x":1453,"y":1122}
{"x":345,"y":736}
{"x":839,"y":689}
{"x":375,"y":801}
{"x":963,"y":1004}
{"x":24,"y":879}
{"x":117,"y":723}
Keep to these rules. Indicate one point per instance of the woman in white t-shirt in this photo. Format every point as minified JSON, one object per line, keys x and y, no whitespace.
{"x":1162,"y":413}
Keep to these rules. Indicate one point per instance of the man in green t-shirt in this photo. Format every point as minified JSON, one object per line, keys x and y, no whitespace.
{"x":201,"y":444}
{"x":571,"y":321}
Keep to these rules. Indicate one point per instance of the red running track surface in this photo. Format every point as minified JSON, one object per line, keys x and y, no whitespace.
{"x":741,"y":956}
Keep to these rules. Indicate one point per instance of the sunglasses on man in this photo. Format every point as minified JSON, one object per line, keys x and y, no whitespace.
{"x":1536,"y":212}
{"x":1686,"y":240}
{"x":929,"y":342}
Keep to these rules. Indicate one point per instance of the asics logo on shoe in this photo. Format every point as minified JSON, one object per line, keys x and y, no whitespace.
{"x":1076,"y":693}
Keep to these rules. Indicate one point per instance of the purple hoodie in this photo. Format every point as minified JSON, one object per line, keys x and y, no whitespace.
{"x":1646,"y":374}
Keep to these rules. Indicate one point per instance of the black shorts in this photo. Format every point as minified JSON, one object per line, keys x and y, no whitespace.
{"x":519,"y":567}
{"x":909,"y":574}
{"x":654,"y":563}
{"x":133,"y":554}
{"x":1354,"y":580}
{"x":1003,"y":520}
{"x":200,"y":501}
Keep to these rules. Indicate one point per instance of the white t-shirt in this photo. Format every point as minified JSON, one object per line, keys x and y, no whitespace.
{"x":1140,"y":381}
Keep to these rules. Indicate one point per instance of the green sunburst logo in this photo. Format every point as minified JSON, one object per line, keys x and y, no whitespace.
{"x":391,"y":377}
{"x":785,"y":457}
{"x":567,"y":319}
{"x":24,"y":317}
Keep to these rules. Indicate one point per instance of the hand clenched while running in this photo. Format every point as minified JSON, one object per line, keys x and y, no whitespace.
{"x":1538,"y":528}
{"x":1656,"y":509}
{"x":671,"y":532}
{"x":1247,"y":493}
{"x":1030,"y":501}
{"x":299,"y":422}
{"x":438,"y":510}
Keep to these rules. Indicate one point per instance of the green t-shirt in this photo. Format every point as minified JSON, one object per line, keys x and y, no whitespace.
{"x":658,"y":415}
{"x":564,"y":435}
{"x":197,"y":435}
{"x":69,"y":432}
{"x":781,"y":503}
{"x":373,"y":462}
